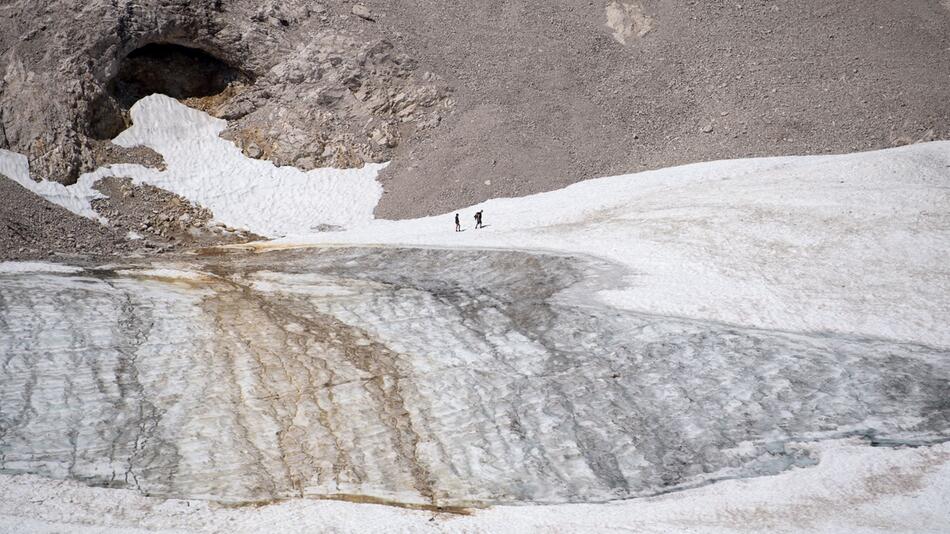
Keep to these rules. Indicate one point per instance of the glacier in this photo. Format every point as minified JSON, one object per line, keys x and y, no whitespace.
{"x":739,"y":344}
{"x":425,"y":377}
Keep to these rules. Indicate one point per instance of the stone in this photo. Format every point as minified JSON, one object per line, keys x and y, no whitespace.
{"x":628,"y":21}
{"x":306,"y":163}
{"x":252,"y":150}
{"x":363,"y":12}
{"x":406,"y":111}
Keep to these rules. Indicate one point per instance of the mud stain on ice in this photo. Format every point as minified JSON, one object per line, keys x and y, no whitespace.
{"x":301,"y":356}
{"x":432,"y":379}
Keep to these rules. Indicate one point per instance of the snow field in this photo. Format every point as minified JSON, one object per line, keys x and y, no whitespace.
{"x":855,"y":243}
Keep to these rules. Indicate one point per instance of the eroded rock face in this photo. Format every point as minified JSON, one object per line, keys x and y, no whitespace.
{"x":298,"y":85}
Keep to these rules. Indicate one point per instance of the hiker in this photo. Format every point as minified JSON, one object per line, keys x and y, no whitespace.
{"x":478,"y":219}
{"x":458,"y":225}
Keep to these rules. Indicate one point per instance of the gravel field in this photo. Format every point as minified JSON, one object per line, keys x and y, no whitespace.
{"x":33,"y":228}
{"x":546,"y":96}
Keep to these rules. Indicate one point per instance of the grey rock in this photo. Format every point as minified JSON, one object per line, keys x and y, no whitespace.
{"x":252,"y":150}
{"x":306,"y":163}
{"x":237,"y":110}
{"x":362,"y":12}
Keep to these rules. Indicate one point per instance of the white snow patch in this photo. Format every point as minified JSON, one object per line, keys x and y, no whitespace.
{"x":16,"y":267}
{"x":242,"y":192}
{"x":856,"y":243}
{"x":76,"y":198}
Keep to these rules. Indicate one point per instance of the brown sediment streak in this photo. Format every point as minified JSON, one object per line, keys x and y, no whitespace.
{"x":458,"y":509}
{"x":380,"y":363}
{"x":366,"y":499}
{"x":224,"y":308}
{"x":296,"y":368}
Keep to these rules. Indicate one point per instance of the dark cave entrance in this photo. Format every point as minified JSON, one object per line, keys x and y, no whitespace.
{"x":174,"y":70}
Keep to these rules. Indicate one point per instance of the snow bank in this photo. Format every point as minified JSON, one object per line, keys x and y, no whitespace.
{"x":855,"y":243}
{"x":854,"y":489}
{"x":242,"y":192}
{"x":76,"y":198}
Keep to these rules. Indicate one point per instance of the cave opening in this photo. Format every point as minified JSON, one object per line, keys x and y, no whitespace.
{"x":177,"y":71}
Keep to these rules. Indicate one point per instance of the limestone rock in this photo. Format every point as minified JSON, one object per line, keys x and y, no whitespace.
{"x":627,"y":21}
{"x":363,"y":12}
{"x":252,"y":150}
{"x":286,"y":71}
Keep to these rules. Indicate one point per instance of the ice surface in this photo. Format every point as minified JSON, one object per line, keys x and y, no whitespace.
{"x":7,"y":267}
{"x":421,"y":376}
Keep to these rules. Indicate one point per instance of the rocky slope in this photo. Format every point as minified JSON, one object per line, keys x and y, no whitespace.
{"x":547,"y":94}
{"x":472,"y":100}
{"x":32,"y":228}
{"x":301,"y":82}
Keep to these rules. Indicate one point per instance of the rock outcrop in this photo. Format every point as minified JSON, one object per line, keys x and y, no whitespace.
{"x":299,"y":82}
